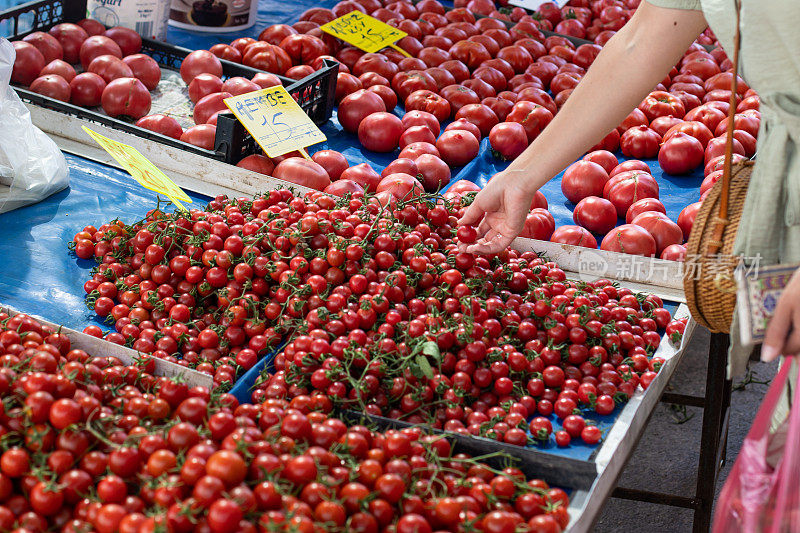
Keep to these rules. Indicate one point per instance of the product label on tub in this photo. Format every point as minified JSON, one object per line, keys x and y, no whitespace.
{"x":362,"y":31}
{"x":212,"y":14}
{"x":149,"y":18}
{"x":141,"y":169}
{"x":275,"y":120}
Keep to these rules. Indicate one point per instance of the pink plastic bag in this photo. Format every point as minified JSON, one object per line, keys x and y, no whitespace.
{"x":758,"y":498}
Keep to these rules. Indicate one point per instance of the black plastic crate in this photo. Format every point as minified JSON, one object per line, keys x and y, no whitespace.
{"x":315,"y":93}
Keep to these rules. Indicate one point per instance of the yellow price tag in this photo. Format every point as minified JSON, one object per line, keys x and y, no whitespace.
{"x":277,"y":123}
{"x":141,"y":169}
{"x":365,"y":32}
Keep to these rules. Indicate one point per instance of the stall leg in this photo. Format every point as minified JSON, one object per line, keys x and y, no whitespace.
{"x":717,"y":399}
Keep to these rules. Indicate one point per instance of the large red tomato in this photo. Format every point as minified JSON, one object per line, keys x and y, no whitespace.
{"x":480,"y":115}
{"x":202,"y":135}
{"x":265,"y":56}
{"x":302,"y":172}
{"x":422,"y":118}
{"x":457,"y":147}
{"x":275,"y":33}
{"x":471,"y":53}
{"x":257,"y":163}
{"x":199,"y":62}
{"x":595,"y":214}
{"x":707,"y":114}
{"x":46,"y":44}
{"x":686,"y":218}
{"x":662,"y":103}
{"x":332,"y":161}
{"x":145,"y":69}
{"x":401,"y":186}
{"x":695,"y":128}
{"x":465,"y":125}
{"x":539,"y":224}
{"x":364,"y":175}
{"x":581,"y":179}
{"x":53,"y":86}
{"x":416,"y":134}
{"x":533,"y":118}
{"x":661,"y":125}
{"x":716,"y":147}
{"x":96,"y":46}
{"x":203,"y":85}
{"x":343,"y":187}
{"x":634,"y":118}
{"x":741,"y":121}
{"x":380,"y":132}
{"x":674,"y":252}
{"x":574,"y":235}
{"x":508,"y":139}
{"x":458,"y":96}
{"x":110,"y":68}
{"x":604,"y":158}
{"x":680,"y":154}
{"x":86,"y":89}
{"x":628,"y":187}
{"x":304,"y":48}
{"x":631,"y":164}
{"x":664,"y":231}
{"x":629,"y":239}
{"x":266,"y":80}
{"x":126,"y":96}
{"x":414,"y":150}
{"x":65,"y":70}
{"x":640,"y":142}
{"x":430,"y":102}
{"x":433,"y":171}
{"x":357,"y":106}
{"x":128,"y":40}
{"x":516,"y":56}
{"x":208,"y":105}
{"x":162,"y":124}
{"x":70,"y":37}
{"x":643,"y":206}
{"x":377,"y":63}
{"x":226,"y":52}
{"x":28,"y":63}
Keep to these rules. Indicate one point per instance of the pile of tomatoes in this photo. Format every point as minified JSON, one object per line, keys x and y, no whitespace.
{"x":381,"y":310}
{"x":90,"y":444}
{"x":111,"y":72}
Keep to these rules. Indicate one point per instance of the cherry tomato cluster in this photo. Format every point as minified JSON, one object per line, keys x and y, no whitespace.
{"x":90,"y":444}
{"x":382,"y":310}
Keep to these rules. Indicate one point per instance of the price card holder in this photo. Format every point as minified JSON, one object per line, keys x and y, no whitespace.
{"x":364,"y":32}
{"x":141,"y":169}
{"x":275,"y":120}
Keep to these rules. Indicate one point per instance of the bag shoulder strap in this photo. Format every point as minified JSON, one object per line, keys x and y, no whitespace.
{"x":721,"y":221}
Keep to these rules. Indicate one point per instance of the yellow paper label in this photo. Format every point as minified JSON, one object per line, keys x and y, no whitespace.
{"x":363,"y":32}
{"x":277,"y":123}
{"x":141,"y":169}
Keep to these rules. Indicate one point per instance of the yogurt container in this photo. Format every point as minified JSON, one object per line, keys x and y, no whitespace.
{"x":148,"y":18}
{"x":213,"y":16}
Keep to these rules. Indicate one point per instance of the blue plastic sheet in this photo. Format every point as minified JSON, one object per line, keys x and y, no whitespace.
{"x":38,"y":274}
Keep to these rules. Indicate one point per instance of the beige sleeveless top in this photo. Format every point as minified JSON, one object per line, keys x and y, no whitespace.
{"x":769,"y":60}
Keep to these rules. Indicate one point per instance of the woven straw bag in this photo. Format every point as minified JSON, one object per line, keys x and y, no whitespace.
{"x":708,"y":280}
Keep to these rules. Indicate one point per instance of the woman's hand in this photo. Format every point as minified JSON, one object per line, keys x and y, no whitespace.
{"x":783,"y":331}
{"x":499,"y":210}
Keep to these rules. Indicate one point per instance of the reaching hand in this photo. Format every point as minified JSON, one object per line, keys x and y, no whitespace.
{"x":783,"y":331}
{"x":499,"y":210}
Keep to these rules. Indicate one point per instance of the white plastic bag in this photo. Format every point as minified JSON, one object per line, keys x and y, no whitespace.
{"x":31,"y":165}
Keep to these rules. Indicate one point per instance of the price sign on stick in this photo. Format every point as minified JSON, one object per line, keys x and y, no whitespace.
{"x":365,"y":32}
{"x":275,"y":120}
{"x":141,"y":169}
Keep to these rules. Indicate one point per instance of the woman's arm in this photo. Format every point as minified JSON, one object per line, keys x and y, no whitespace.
{"x":634,"y":61}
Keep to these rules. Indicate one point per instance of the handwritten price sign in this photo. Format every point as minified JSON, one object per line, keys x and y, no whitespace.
{"x":275,"y":120}
{"x":141,"y":169}
{"x":364,"y":32}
